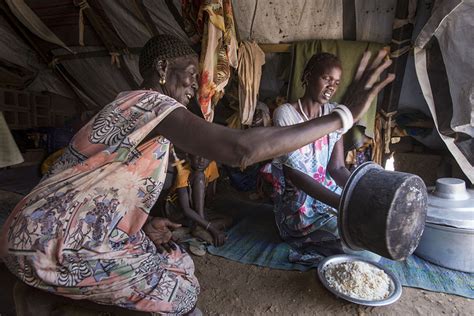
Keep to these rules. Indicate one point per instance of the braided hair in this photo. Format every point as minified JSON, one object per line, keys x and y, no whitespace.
{"x":319,"y":62}
{"x":162,"y":47}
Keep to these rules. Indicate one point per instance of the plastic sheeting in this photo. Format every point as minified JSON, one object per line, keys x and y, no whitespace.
{"x":14,"y":50}
{"x":128,"y":21}
{"x":449,"y":30}
{"x":122,"y":16}
{"x":97,"y":78}
{"x":290,"y":21}
{"x":374,"y":20}
{"x":26,"y":16}
{"x":274,"y":21}
{"x":411,"y":96}
{"x":97,"y":82}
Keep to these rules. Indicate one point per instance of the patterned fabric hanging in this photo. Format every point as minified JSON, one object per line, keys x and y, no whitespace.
{"x":219,"y":52}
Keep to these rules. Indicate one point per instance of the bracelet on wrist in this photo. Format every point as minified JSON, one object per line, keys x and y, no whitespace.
{"x":344,"y":120}
{"x":348,"y":112}
{"x":345,"y":116}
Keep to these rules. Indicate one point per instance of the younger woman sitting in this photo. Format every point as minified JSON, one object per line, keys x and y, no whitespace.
{"x":309,"y":180}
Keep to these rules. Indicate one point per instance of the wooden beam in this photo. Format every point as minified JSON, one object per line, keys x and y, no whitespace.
{"x":94,"y":54}
{"x":276,"y":48}
{"x":420,"y":124}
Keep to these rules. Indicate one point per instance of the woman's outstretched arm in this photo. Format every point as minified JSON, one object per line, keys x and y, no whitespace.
{"x":245,"y":147}
{"x":240,"y":147}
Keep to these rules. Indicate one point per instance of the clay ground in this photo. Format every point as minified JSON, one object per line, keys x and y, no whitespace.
{"x":231,"y":288}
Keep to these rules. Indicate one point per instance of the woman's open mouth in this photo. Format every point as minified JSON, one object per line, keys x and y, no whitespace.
{"x":327,"y":95}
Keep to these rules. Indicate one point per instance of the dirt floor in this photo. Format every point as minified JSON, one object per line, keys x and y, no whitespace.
{"x":231,"y":288}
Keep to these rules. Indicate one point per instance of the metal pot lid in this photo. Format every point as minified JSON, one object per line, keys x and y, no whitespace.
{"x":451,"y":204}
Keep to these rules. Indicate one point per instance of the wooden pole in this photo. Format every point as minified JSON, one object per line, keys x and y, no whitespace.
{"x":400,"y":47}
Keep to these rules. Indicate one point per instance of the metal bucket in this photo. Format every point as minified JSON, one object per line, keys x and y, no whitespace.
{"x":382,"y":211}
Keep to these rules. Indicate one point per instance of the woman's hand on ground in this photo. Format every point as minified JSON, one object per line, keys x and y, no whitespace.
{"x":366,"y":85}
{"x":159,"y":230}
{"x":218,"y":236}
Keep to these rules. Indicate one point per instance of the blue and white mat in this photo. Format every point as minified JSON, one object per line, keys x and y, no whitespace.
{"x":255,"y":240}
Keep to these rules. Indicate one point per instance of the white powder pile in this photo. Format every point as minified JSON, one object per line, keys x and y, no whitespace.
{"x":358,"y":280}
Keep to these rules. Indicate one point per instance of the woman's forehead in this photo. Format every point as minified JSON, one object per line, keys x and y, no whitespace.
{"x":186,"y":61}
{"x":334,"y":70}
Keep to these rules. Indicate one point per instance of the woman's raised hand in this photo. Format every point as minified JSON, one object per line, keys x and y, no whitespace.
{"x":366,"y":84}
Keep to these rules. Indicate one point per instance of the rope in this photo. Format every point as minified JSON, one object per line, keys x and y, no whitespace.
{"x":114,"y":58}
{"x":401,"y":51}
{"x":387,"y":117}
{"x":53,"y":63}
{"x":253,"y":20}
{"x":377,"y":140}
{"x":83,"y":5}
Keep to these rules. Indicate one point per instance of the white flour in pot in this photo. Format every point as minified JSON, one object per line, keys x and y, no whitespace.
{"x":359,"y":280}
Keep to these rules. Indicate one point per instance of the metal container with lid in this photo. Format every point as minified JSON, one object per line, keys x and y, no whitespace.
{"x":382,"y":211}
{"x":448,"y":238}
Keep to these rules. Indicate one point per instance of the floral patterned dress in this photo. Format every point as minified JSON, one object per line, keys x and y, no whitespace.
{"x":79,"y":232}
{"x":302,"y":220}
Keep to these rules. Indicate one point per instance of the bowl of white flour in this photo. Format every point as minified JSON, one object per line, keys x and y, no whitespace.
{"x":359,"y":281}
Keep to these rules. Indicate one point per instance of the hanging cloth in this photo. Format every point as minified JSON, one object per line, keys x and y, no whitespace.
{"x":219,"y":52}
{"x":251,"y":59}
{"x":9,"y":152}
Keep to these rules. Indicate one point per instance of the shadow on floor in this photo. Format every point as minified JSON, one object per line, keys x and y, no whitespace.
{"x":19,"y":180}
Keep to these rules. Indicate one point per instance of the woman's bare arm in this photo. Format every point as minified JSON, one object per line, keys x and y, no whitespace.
{"x":240,"y":147}
{"x":245,"y":147}
{"x":311,"y":187}
{"x":336,"y":166}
